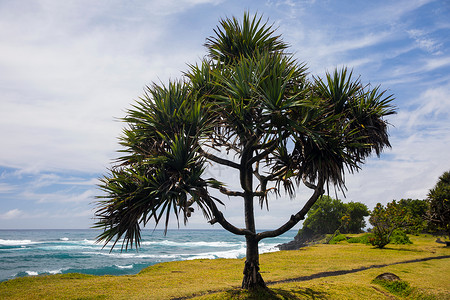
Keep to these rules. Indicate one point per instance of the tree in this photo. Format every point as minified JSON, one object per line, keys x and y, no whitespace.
{"x":418,"y":211}
{"x":439,"y":204}
{"x":330,"y":215}
{"x":356,"y":212}
{"x":325,"y":216}
{"x":386,"y":220}
{"x":248,"y":106}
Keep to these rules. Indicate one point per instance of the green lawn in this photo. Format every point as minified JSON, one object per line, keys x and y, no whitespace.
{"x":220,"y":278}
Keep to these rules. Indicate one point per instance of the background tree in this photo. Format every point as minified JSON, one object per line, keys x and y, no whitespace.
{"x":328,"y":215}
{"x":325,"y":216}
{"x":248,"y":106}
{"x":356,"y":212}
{"x":386,"y":220}
{"x":418,"y":211}
{"x":439,"y":204}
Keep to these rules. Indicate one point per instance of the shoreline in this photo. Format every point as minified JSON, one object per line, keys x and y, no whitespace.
{"x":328,"y":270}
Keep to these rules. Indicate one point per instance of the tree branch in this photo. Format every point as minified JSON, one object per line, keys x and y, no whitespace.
{"x":308,"y":184}
{"x":294,"y":218}
{"x":223,"y":190}
{"x":219,"y":218}
{"x":218,"y":160}
{"x":273,"y":176}
{"x":262,"y":193}
{"x":269,"y":148}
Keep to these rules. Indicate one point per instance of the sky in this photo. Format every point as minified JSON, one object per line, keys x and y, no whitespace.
{"x":69,"y":70}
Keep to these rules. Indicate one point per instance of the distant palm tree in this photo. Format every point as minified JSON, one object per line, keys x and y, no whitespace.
{"x":248,"y":106}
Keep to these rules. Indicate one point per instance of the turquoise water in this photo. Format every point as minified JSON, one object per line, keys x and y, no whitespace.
{"x":36,"y":252}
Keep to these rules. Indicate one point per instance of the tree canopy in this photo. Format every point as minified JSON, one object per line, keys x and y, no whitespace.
{"x":326,"y":216}
{"x":418,"y":212}
{"x":386,"y":220}
{"x":251,"y":107}
{"x":439,"y":204}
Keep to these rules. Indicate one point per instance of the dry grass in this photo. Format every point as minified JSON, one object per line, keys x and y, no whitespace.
{"x":219,"y":279}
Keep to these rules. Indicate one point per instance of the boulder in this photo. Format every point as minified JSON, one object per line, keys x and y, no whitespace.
{"x":388,"y":277}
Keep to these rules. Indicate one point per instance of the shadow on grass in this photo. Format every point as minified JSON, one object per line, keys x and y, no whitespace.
{"x":402,"y":249}
{"x":275,"y":294}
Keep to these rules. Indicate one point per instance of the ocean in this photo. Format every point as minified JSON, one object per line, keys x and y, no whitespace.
{"x":37,"y":252}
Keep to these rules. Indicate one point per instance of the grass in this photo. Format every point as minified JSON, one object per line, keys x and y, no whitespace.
{"x":399,"y":288}
{"x":220,"y":278}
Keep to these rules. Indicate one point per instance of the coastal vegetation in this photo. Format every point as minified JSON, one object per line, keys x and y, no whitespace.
{"x":253,"y":109}
{"x":439,"y":205}
{"x":386,"y":220}
{"x":338,"y":271}
{"x":390,"y":223}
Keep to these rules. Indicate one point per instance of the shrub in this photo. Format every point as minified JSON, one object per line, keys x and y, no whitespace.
{"x":378,"y":240}
{"x":386,"y":220}
{"x":397,"y":287}
{"x":354,"y":240}
{"x":364,"y":239}
{"x":338,"y":239}
{"x":399,"y":237}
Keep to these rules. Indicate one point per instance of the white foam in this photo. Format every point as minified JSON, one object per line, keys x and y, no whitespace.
{"x":64,"y":247}
{"x":16,"y":242}
{"x":125,"y":267}
{"x":136,"y":255}
{"x":31,"y":273}
{"x":64,"y":239}
{"x":192,"y":244}
{"x":236,"y":253}
{"x":90,"y":242}
{"x":266,"y":248}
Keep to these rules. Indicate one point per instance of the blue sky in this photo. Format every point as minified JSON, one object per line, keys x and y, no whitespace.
{"x":69,"y":69}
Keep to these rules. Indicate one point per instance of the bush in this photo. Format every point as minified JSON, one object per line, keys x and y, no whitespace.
{"x":399,"y":237}
{"x":378,"y":240}
{"x":354,"y":240}
{"x":397,"y":287}
{"x":363,"y":239}
{"x":338,"y":239}
{"x":386,"y":220}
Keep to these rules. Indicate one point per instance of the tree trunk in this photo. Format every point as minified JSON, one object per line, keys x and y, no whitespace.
{"x":252,"y":278}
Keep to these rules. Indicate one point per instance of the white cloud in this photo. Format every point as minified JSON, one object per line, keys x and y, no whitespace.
{"x":429,"y":111}
{"x":423,"y":42}
{"x":164,"y":8}
{"x":11,"y":214}
{"x":389,"y":12}
{"x":436,"y":63}
{"x":65,"y":196}
{"x":67,"y":80}
{"x":7,"y":188}
{"x":421,"y":66}
{"x":419,"y":153}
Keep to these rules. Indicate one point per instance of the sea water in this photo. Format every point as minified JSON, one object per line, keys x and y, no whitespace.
{"x":37,"y":252}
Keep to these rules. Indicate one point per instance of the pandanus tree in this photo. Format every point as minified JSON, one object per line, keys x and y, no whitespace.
{"x":252,"y":108}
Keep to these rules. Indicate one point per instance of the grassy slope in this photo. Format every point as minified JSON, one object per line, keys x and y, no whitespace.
{"x":199,"y":277}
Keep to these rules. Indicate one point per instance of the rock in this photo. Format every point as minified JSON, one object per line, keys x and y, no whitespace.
{"x":292,"y":245}
{"x":301,"y":241}
{"x":388,"y":277}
